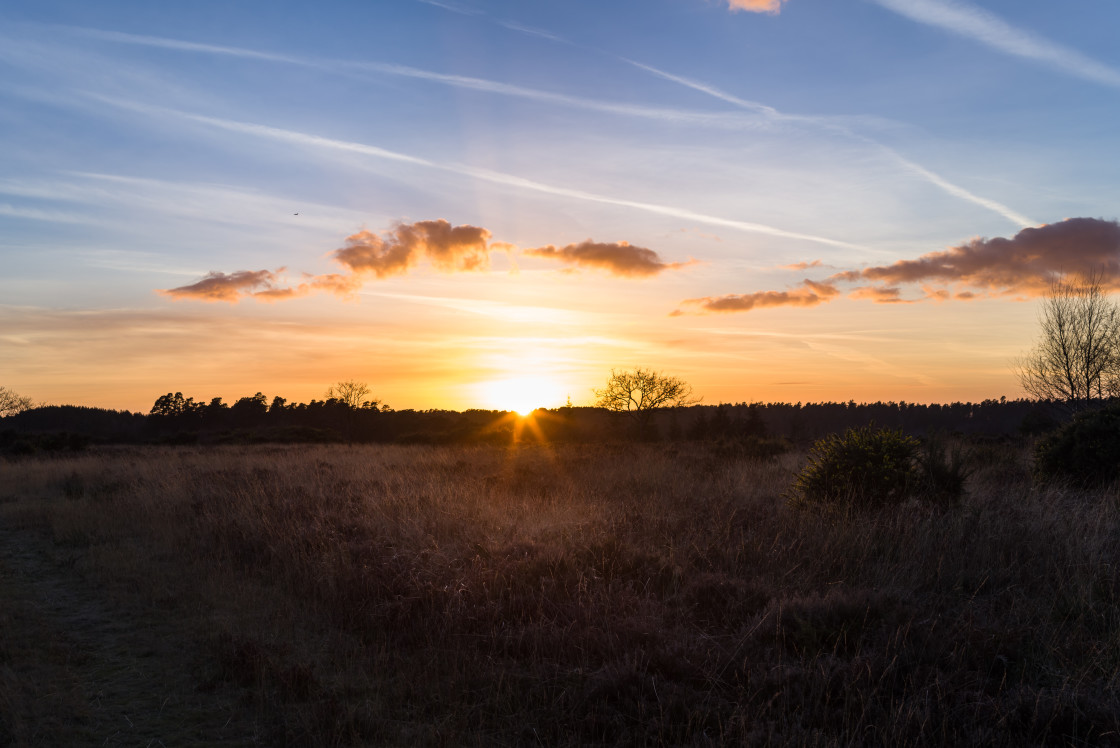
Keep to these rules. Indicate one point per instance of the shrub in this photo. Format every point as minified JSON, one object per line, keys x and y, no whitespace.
{"x":865,"y":467}
{"x":943,"y":471}
{"x":1085,"y":452}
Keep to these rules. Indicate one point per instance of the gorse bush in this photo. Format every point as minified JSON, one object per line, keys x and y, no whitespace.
{"x":942,"y":471}
{"x":864,"y":466}
{"x":1085,"y":452}
{"x":872,"y":467}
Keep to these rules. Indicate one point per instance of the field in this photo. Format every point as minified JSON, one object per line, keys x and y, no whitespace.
{"x":641,"y":594}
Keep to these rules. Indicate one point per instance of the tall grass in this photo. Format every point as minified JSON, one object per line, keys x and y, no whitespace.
{"x":640,"y":594}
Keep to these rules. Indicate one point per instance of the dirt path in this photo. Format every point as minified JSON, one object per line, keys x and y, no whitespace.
{"x":79,"y":669}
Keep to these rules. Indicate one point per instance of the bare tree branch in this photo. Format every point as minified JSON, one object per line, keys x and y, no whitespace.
{"x":640,"y":392}
{"x":352,"y":393}
{"x":12,"y":403}
{"x":1077,"y":359}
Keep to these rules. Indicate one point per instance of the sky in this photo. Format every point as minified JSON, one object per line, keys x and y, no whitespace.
{"x":490,"y":203}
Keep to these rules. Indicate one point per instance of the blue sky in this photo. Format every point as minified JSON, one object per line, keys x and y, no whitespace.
{"x":749,"y":150}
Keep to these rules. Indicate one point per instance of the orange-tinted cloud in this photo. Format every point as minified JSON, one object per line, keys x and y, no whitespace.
{"x":757,"y":6}
{"x":617,"y":258}
{"x":802,"y":265}
{"x":880,"y":295}
{"x":1024,"y":264}
{"x":335,"y":283}
{"x":449,"y":248}
{"x":810,"y":294}
{"x":231,"y":287}
{"x":262,"y":285}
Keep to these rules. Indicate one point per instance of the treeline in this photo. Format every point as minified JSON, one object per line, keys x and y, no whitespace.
{"x":176,"y":419}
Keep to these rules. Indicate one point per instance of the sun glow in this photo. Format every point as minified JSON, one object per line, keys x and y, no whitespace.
{"x":522,"y":394}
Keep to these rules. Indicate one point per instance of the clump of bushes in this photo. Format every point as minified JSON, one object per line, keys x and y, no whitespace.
{"x":869,"y":467}
{"x":1085,"y":452}
{"x":942,"y":471}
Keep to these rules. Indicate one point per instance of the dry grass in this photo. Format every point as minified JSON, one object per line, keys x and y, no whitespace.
{"x":579,"y":595}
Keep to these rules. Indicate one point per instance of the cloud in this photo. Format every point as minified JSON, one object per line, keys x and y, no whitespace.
{"x":802,"y":265}
{"x":757,"y":6}
{"x":345,"y":286}
{"x":617,"y":258}
{"x":992,"y":31}
{"x":448,"y":248}
{"x":836,"y":124}
{"x":231,"y":287}
{"x":1024,"y":265}
{"x":454,"y":8}
{"x":880,"y":295}
{"x":308,"y":140}
{"x":811,"y":293}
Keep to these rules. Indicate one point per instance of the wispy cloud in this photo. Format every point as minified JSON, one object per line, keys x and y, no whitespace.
{"x":522,"y":28}
{"x":48,"y":216}
{"x":991,"y":30}
{"x":351,"y":67}
{"x":721,"y":120}
{"x":163,"y":199}
{"x":810,"y":293}
{"x":486,"y":175}
{"x":261,"y":284}
{"x":956,"y":190}
{"x":617,"y":258}
{"x":500,"y":310}
{"x":162,"y":42}
{"x":802,"y":265}
{"x":1024,"y":265}
{"x":840,"y":126}
{"x":459,"y":8}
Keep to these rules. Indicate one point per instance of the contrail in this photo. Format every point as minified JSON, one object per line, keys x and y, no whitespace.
{"x":992,"y":31}
{"x":830,"y":124}
{"x":495,"y":177}
{"x":506,"y":89}
{"x":335,"y":66}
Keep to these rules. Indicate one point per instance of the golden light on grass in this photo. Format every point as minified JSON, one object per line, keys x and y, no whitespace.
{"x":522,"y":394}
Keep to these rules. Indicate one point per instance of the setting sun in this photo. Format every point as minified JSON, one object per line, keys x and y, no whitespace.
{"x":522,"y":394}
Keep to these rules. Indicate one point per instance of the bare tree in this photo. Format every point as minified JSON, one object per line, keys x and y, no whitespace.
{"x":1077,"y":359}
{"x":352,"y":393}
{"x":642,"y":391}
{"x":12,"y":403}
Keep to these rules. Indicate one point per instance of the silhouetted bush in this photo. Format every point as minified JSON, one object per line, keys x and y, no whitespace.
{"x":943,"y":471}
{"x":1085,"y":452}
{"x":864,"y":467}
{"x":14,"y":445}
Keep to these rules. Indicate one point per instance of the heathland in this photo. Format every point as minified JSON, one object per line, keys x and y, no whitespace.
{"x":545,"y":594}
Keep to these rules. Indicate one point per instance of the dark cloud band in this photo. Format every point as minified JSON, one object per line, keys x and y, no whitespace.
{"x":1025,"y":265}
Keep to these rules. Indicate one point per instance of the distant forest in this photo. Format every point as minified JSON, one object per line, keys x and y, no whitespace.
{"x":174,"y":419}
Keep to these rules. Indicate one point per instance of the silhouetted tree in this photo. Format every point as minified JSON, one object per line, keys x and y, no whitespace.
{"x":12,"y":403}
{"x":640,"y":392}
{"x":214,"y":413}
{"x":1077,"y":359}
{"x":171,"y":405}
{"x":249,"y":411}
{"x":353,"y":394}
